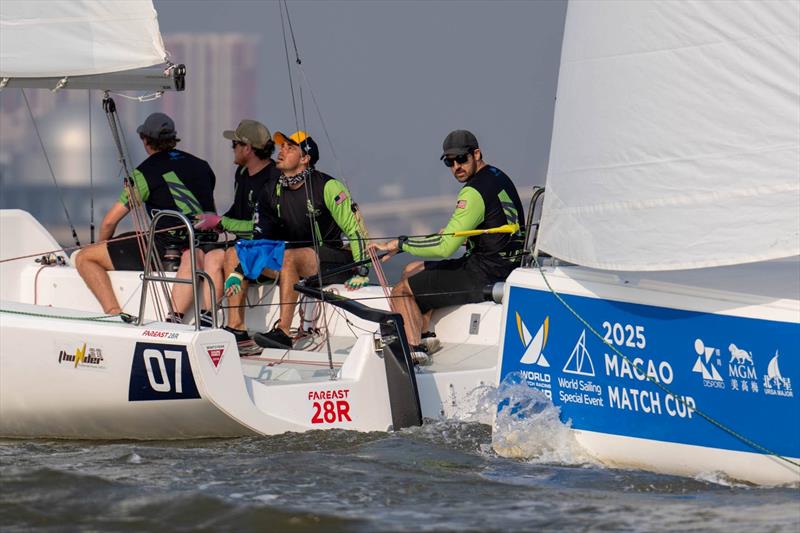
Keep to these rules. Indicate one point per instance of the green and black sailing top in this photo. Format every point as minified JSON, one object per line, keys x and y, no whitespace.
{"x":487,"y":200}
{"x":239,"y":218}
{"x":285,"y":214}
{"x":176,"y":180}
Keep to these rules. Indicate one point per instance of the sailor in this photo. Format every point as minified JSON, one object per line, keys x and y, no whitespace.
{"x":168,"y":179}
{"x":253,"y":147}
{"x":309,"y":210}
{"x":487,"y":200}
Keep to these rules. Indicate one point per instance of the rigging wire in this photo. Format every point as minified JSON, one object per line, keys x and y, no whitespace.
{"x":50,"y":166}
{"x":91,"y":171}
{"x":308,"y":188}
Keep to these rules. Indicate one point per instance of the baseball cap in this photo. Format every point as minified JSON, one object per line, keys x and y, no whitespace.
{"x":157,"y":126}
{"x":458,"y":142}
{"x":301,"y":139}
{"x":250,"y":132}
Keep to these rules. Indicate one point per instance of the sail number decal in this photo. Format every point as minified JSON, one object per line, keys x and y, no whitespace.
{"x":624,"y":335}
{"x":161,"y":372}
{"x":330,"y":406}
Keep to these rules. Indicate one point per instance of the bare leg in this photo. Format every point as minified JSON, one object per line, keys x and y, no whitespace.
{"x":214,"y":264}
{"x":407,"y":306}
{"x":182,"y":293}
{"x":297,"y":263}
{"x":93,"y":264}
{"x":236,"y":301}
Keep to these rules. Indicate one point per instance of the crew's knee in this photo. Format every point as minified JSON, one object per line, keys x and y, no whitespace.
{"x":402,"y":289}
{"x":86,"y":257}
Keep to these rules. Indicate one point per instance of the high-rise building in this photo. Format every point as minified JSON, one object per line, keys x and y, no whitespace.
{"x":221,"y":89}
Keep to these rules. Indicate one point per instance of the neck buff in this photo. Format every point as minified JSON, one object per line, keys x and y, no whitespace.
{"x":288,"y":181}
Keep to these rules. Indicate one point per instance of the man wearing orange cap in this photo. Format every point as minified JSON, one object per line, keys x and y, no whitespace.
{"x":310,"y":210}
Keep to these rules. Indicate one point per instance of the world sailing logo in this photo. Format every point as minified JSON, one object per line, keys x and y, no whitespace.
{"x":580,"y":362}
{"x":534,"y":347}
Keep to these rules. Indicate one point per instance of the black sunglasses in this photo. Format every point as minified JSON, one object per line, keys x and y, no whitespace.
{"x":460,"y":159}
{"x":234,"y":144}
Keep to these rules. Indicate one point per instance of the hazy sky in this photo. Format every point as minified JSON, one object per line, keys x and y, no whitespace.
{"x":394,"y":77}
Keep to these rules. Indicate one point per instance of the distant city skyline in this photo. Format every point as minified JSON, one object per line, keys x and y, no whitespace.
{"x":391,"y":78}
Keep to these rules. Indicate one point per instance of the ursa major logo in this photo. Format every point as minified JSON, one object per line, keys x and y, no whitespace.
{"x":534,"y":346}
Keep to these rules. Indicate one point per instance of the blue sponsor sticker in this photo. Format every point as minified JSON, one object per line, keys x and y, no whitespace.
{"x":161,"y":372}
{"x":742,"y":372}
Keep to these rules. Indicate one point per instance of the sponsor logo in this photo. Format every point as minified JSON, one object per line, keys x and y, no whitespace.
{"x":156,"y":334}
{"x":742,"y":370}
{"x":580,"y":362}
{"x":706,"y":365}
{"x":215,"y":352}
{"x":330,"y":406}
{"x":774,"y":383}
{"x":91,"y":358}
{"x":534,"y":346}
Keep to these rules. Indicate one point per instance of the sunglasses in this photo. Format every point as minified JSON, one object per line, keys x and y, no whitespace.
{"x":460,"y":159}
{"x":234,"y":144}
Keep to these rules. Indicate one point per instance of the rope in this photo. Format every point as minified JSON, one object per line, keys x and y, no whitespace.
{"x":143,"y":98}
{"x":71,"y":248}
{"x":376,"y":264}
{"x":657,"y":383}
{"x":101,"y":318}
{"x":50,"y":166}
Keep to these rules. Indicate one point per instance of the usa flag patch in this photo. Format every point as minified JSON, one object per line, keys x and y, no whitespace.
{"x":461,"y":204}
{"x":341,"y":197}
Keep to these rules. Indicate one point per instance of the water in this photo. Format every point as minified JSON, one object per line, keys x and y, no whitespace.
{"x":443,"y":476}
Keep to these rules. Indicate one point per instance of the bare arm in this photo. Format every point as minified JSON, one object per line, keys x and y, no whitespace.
{"x":112,"y":218}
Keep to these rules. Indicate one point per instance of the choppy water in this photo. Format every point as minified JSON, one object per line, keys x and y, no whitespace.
{"x":440,"y":477}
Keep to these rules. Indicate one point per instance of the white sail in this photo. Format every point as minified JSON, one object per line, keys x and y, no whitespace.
{"x":676,"y":139}
{"x":56,"y":38}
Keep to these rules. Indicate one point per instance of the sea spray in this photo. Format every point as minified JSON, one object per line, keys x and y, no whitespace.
{"x":527,"y":425}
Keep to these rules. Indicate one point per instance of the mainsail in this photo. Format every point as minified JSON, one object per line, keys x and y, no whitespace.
{"x":57,"y":38}
{"x":676,"y":138}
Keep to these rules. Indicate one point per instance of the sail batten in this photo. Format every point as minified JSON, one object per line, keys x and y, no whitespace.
{"x":58,"y":38}
{"x":676,"y":139}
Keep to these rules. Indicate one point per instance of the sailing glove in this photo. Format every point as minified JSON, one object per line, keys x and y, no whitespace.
{"x":233,"y":284}
{"x":207,"y":221}
{"x":356,"y":282}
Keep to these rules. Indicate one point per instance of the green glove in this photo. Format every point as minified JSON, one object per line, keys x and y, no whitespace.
{"x":233,"y":284}
{"x":356,"y":282}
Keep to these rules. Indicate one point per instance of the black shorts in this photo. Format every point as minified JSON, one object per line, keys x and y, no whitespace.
{"x":452,"y":282}
{"x":125,"y":254}
{"x":333,"y":258}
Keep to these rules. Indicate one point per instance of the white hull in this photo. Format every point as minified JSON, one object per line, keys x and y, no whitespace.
{"x":44,"y":394}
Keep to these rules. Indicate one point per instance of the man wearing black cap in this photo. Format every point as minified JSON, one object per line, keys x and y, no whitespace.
{"x":487,"y":200}
{"x":308,"y":209}
{"x":167,"y":179}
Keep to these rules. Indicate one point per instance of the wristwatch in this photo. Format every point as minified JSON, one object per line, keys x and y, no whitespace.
{"x":362,"y":271}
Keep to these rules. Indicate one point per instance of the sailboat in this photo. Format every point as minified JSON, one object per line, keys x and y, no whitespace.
{"x":68,"y":371}
{"x":672,"y":212}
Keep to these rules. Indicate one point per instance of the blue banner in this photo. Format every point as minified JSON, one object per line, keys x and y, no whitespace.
{"x":742,"y":372}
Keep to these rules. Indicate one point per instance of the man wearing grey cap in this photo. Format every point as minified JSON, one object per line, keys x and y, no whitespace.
{"x":168,"y":179}
{"x":488,"y":201}
{"x":252,"y":147}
